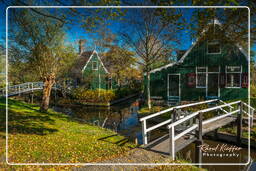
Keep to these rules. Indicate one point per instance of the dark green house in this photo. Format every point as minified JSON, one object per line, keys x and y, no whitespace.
{"x":90,"y":72}
{"x":213,"y":67}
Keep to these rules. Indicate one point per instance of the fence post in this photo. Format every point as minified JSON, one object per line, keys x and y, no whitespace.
{"x":19,"y":90}
{"x":199,"y":141}
{"x":172,"y":143}
{"x":239,"y":124}
{"x":144,"y":132}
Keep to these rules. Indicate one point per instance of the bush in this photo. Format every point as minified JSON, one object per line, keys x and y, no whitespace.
{"x":125,"y":91}
{"x":253,"y":90}
{"x":93,"y":96}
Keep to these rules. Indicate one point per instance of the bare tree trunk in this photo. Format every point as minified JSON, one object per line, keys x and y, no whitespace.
{"x":148,"y":90}
{"x":48,"y":83}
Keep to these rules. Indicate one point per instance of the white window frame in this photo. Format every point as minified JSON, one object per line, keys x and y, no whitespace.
{"x":213,"y":42}
{"x":237,"y":72}
{"x":93,"y":65}
{"x":206,"y":70}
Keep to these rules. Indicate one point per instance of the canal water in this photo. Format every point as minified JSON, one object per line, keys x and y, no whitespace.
{"x":123,"y":118}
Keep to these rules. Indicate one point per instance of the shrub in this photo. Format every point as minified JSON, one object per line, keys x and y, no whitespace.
{"x":253,"y":90}
{"x":93,"y":96}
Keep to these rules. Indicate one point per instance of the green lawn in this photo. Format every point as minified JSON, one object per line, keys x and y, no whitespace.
{"x":54,"y":137}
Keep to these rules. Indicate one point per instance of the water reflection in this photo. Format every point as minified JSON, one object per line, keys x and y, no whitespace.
{"x":122,"y":118}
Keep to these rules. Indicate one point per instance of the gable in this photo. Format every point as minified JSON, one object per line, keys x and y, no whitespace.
{"x":197,"y":55}
{"x":200,"y":55}
{"x":94,"y":58}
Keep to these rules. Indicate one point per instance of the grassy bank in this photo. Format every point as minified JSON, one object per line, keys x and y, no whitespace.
{"x":56,"y":138}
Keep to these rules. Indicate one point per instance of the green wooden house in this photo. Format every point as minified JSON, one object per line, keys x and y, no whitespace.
{"x":90,"y":72}
{"x":213,"y":67}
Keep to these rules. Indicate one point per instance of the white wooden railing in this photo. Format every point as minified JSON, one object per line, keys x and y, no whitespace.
{"x":146,"y":130}
{"x":250,"y":112}
{"x":23,"y":88}
{"x":197,"y":126}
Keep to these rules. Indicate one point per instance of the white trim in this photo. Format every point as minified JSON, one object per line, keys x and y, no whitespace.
{"x":91,"y":58}
{"x":168,"y":86}
{"x":206,"y":70}
{"x":240,"y":74}
{"x":207,"y":79}
{"x":97,"y":67}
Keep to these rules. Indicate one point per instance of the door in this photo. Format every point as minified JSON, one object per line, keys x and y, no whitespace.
{"x":173,"y":85}
{"x":213,"y":85}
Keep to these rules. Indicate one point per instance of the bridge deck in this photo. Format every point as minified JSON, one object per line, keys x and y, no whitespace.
{"x":161,"y":145}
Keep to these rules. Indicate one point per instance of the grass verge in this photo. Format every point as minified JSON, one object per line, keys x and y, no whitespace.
{"x":52,"y":137}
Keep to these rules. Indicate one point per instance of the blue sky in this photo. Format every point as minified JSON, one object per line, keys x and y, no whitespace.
{"x":75,"y":32}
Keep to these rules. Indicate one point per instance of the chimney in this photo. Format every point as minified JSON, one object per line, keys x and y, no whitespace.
{"x":81,"y":45}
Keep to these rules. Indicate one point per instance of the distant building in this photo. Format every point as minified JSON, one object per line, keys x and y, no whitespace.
{"x":89,"y":70}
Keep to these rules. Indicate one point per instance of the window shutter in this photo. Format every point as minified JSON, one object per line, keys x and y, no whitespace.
{"x":245,"y":80}
{"x":222,"y":80}
{"x":191,"y":80}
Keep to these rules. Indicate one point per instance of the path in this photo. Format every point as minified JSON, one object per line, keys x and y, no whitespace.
{"x":137,"y":155}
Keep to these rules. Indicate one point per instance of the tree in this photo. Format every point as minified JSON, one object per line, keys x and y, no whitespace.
{"x":38,"y":29}
{"x":152,"y":36}
{"x":43,"y":40}
{"x":120,"y":61}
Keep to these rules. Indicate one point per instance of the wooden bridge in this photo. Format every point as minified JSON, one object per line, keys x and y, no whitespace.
{"x":185,"y":128}
{"x":24,"y":88}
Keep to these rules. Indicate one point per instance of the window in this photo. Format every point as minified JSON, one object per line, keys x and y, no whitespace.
{"x":95,"y":65}
{"x":201,"y":77}
{"x":233,"y":76}
{"x":213,"y":47}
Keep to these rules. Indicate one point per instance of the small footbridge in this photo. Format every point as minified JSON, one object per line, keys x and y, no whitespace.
{"x":28,"y":87}
{"x":186,"y":127}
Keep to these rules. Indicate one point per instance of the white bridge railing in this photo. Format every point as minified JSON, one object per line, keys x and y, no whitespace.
{"x":23,"y":88}
{"x":198,"y":126}
{"x":174,"y":122}
{"x":146,"y":130}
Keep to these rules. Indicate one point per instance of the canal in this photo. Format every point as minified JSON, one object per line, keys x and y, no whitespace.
{"x":123,"y":118}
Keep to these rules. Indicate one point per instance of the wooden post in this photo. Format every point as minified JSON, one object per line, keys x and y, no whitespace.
{"x":216,"y":134}
{"x":32,"y":96}
{"x":144,"y":133}
{"x":239,"y":124}
{"x":174,"y":115}
{"x":199,"y":141}
{"x":198,"y":153}
{"x":199,"y":132}
{"x":19,"y":90}
{"x":172,"y":143}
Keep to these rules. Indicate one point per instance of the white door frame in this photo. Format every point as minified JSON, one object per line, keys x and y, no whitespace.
{"x":207,"y":81}
{"x":168,"y":86}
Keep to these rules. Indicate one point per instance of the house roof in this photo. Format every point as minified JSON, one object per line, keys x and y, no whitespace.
{"x":193,"y":45}
{"x":90,"y":57}
{"x":80,"y":62}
